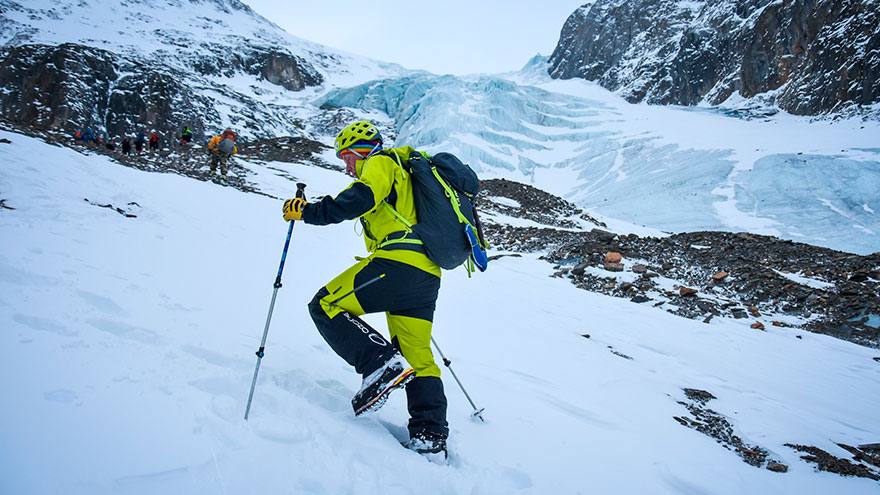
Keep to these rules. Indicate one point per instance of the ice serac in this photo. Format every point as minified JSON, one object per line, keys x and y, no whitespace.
{"x":648,"y":166}
{"x":808,"y":57}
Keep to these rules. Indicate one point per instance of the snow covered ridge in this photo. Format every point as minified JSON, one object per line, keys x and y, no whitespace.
{"x":806,"y":57}
{"x":125,"y":66}
{"x":146,"y":326}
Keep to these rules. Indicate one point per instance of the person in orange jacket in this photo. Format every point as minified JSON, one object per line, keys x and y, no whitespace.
{"x":222,"y":147}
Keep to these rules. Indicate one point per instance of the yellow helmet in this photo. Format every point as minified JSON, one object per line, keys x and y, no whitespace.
{"x":362,"y":130}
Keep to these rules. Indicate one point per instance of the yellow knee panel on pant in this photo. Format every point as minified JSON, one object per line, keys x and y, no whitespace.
{"x":343,"y":283}
{"x":414,"y":338}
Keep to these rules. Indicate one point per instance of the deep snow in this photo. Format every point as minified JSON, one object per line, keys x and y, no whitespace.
{"x":128,"y":347}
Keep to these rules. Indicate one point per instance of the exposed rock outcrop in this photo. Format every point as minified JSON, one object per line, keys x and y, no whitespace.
{"x":700,"y":275}
{"x":808,"y":56}
{"x":72,"y":86}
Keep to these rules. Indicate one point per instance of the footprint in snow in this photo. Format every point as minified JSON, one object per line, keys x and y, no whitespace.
{"x":125,"y":330}
{"x":63,"y":396}
{"x":43,"y":324}
{"x":102,"y":303}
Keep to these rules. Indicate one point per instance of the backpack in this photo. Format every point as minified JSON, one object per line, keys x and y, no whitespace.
{"x":226,"y":146}
{"x":444,"y":191}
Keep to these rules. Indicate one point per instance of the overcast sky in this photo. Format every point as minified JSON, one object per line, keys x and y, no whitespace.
{"x":452,"y":36}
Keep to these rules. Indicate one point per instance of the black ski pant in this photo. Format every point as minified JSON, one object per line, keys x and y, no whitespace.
{"x":408,"y":296}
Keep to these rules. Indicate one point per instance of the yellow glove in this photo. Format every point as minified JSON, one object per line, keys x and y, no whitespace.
{"x":293,"y":209}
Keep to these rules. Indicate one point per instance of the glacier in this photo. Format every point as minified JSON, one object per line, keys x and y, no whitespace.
{"x":673,"y":168}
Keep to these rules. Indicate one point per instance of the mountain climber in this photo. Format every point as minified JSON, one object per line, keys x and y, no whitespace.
{"x":222,"y":147}
{"x":140,"y":141}
{"x":405,"y":288}
{"x":186,"y":136}
{"x":154,"y":140}
{"x":88,"y":136}
{"x":126,"y":145}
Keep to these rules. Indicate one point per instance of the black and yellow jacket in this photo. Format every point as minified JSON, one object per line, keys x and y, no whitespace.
{"x":382,"y":198}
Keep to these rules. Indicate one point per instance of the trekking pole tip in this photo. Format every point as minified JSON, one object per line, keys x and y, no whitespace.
{"x":479,"y":414}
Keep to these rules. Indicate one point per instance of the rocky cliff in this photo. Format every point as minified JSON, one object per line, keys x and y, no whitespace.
{"x":72,"y":86}
{"x":124,"y":67}
{"x":807,"y":57}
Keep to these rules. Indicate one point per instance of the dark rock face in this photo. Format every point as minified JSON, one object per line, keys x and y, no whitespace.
{"x":286,"y":70}
{"x":807,"y":56}
{"x":71,"y":86}
{"x":153,"y":100}
{"x":289,"y":72}
{"x":63,"y":86}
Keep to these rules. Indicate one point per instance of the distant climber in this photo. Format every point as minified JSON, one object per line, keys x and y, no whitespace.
{"x":140,"y":141}
{"x":126,"y":145}
{"x":221,"y":148}
{"x":88,"y":136}
{"x":154,"y":140}
{"x":186,"y":136}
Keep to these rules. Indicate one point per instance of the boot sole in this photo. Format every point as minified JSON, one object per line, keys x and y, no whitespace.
{"x":379,"y":400}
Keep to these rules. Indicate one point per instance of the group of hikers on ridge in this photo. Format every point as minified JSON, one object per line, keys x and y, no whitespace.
{"x":220,"y":147}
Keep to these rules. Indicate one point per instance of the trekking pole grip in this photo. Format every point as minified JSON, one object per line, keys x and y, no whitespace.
{"x":300,"y":190}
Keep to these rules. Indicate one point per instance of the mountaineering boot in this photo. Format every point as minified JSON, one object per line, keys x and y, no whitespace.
{"x":430,"y":445}
{"x":394,"y":374}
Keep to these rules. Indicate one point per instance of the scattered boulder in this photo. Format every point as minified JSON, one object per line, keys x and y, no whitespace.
{"x":639,"y":268}
{"x":687,"y":292}
{"x":827,"y":462}
{"x":614,"y":267}
{"x":603,"y":235}
{"x":758,"y":325}
{"x":613,"y":257}
{"x":719,"y":277}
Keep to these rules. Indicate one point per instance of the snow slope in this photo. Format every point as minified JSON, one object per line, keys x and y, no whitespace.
{"x":215,"y":49}
{"x":177,"y":32}
{"x":673,"y":168}
{"x":127,"y":351}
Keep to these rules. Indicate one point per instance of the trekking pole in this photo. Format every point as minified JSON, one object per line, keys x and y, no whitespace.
{"x":478,"y":413}
{"x":300,"y":193}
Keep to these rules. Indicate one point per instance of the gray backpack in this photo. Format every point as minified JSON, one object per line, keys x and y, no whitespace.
{"x":226,"y":146}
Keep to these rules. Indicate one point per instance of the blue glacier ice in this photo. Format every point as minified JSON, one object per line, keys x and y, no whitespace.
{"x":564,"y":144}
